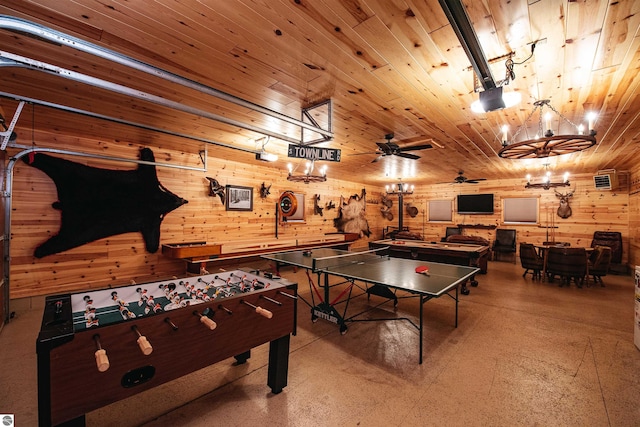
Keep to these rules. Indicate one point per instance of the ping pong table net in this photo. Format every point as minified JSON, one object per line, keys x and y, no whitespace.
{"x":333,"y":262}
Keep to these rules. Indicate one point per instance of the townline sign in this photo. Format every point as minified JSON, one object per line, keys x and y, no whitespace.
{"x":313,"y":153}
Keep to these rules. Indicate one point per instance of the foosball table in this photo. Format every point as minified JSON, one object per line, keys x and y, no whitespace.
{"x":97,"y":347}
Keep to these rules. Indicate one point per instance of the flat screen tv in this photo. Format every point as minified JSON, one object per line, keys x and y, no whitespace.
{"x":475,"y":204}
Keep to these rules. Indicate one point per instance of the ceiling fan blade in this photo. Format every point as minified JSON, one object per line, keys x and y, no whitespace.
{"x":377,"y":158}
{"x":475,"y":181}
{"x":366,"y":152}
{"x":416,"y":147}
{"x":384,"y":146}
{"x":408,"y":156}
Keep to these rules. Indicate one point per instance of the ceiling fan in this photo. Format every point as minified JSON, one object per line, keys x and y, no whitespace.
{"x":392,"y":149}
{"x":461,"y":179}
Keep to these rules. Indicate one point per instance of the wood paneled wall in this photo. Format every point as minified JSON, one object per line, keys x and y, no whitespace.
{"x":119,"y":259}
{"x":634,"y":217}
{"x":592,"y":210}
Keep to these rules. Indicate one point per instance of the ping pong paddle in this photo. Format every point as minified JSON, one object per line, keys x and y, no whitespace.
{"x":422,"y":269}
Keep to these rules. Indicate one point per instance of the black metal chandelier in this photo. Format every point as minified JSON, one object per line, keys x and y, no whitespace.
{"x":308,"y":176}
{"x":546,"y":143}
{"x":546,"y":182}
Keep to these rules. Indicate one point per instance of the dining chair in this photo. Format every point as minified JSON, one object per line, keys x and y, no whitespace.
{"x":530,"y":260}
{"x":568,"y":263}
{"x":599,"y":263}
{"x":505,"y":243}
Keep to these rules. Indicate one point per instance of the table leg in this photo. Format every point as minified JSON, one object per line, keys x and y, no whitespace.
{"x":464,"y":290}
{"x":421,"y":319}
{"x":278,"y":364}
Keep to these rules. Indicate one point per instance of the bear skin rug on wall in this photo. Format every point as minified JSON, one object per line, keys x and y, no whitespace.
{"x":97,"y":203}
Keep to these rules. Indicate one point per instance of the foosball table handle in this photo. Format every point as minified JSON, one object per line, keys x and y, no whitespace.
{"x":143,"y":342}
{"x":209,"y":323}
{"x":102,"y":361}
{"x":144,"y":345}
{"x":261,"y":311}
{"x":264,"y":312}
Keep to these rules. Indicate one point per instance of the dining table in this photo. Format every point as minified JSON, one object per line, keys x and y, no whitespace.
{"x":543,"y":250}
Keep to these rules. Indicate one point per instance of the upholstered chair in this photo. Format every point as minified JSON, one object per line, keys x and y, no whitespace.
{"x":568,"y":263}
{"x":505,"y":243}
{"x":599,"y":263}
{"x":531,"y":261}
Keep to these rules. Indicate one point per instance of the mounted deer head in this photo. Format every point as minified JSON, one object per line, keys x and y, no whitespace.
{"x":564,"y":210}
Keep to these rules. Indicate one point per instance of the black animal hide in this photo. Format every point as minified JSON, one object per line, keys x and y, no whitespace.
{"x":97,"y":203}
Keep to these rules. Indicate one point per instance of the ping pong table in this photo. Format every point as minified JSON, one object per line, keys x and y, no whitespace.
{"x":380,"y":275}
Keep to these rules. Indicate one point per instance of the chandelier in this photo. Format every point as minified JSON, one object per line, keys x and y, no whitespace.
{"x":307,"y":176}
{"x":546,"y":143}
{"x":546,"y":180}
{"x":400,"y":188}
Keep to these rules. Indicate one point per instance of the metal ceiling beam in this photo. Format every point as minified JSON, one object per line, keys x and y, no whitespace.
{"x":56,"y":37}
{"x":459,"y":20}
{"x":8,"y":59}
{"x":121,"y":121}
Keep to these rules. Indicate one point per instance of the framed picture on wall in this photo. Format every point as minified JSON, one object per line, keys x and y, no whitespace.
{"x":239,"y":198}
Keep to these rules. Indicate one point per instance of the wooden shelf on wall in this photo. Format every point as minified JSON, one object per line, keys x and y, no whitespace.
{"x":480,"y":226}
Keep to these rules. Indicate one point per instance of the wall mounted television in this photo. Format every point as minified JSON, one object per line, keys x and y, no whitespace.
{"x":475,"y":204}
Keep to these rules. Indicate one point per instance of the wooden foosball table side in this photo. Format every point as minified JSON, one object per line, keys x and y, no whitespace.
{"x":70,"y":384}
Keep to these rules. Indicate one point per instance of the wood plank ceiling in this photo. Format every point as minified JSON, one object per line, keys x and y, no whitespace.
{"x":388,"y":67}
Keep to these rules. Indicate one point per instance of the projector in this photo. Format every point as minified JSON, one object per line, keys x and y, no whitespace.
{"x":266,"y":157}
{"x":491,"y":99}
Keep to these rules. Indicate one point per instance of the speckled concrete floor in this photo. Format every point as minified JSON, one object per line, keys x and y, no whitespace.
{"x":525,"y":353}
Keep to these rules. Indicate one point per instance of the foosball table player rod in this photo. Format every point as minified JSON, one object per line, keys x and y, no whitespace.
{"x":261,"y":311}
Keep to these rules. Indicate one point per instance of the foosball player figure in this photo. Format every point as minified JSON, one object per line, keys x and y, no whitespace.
{"x":88,"y":301}
{"x":169,"y":290}
{"x":143,"y":296}
{"x":188,"y":287}
{"x":114,"y":297}
{"x":200,"y":295}
{"x":157,"y":308}
{"x":126,"y":314}
{"x":90,"y":316}
{"x":150,"y":304}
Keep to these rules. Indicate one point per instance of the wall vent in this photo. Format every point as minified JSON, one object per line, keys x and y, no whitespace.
{"x":606,"y":180}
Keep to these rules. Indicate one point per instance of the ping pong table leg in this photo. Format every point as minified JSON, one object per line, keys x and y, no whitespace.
{"x":456,"y":323}
{"x":421,"y":310}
